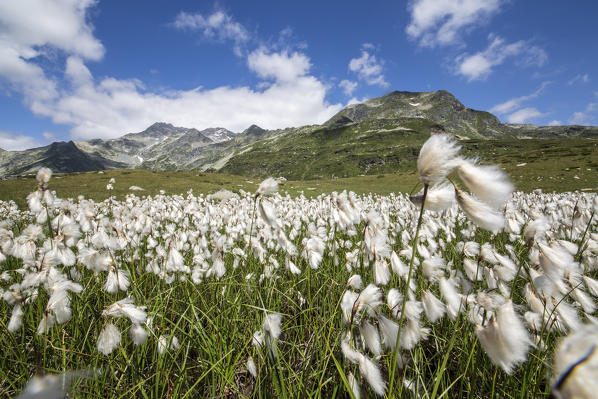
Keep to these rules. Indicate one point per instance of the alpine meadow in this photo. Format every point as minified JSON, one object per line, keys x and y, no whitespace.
{"x":231,"y":199}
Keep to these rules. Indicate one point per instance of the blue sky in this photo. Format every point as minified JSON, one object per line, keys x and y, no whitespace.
{"x":81,"y":69}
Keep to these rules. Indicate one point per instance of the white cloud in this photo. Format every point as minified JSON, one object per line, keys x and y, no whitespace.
{"x":555,"y":122}
{"x":524,"y":115}
{"x":49,"y":136}
{"x":29,"y":29}
{"x":16,"y":142}
{"x":113,"y":107}
{"x":579,"y":118}
{"x":479,"y":65}
{"x":31,"y":24}
{"x":110,"y":107}
{"x":514,"y":103}
{"x":441,"y":22}
{"x":368,"y":68}
{"x":217,"y":26}
{"x":347,"y":86}
{"x":585,"y":78}
{"x":279,"y":66}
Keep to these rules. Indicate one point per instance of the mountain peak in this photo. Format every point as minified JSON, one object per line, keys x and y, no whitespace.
{"x":254,"y":129}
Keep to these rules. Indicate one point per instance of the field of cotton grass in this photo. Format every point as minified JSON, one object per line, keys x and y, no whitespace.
{"x":467,"y":289}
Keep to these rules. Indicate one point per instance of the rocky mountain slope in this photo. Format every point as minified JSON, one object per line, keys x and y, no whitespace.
{"x":380,"y":135}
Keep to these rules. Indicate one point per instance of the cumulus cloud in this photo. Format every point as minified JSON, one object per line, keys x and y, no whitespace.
{"x":110,"y":107}
{"x":479,"y":66}
{"x":15,"y":142}
{"x":584,"y":117}
{"x":31,"y":24}
{"x":514,"y":103}
{"x":524,"y":115}
{"x":555,"y":122}
{"x":441,"y":22}
{"x":216,"y":26}
{"x":368,"y":68}
{"x":579,"y":118}
{"x":279,"y":66}
{"x":28,"y":29}
{"x":347,"y":86}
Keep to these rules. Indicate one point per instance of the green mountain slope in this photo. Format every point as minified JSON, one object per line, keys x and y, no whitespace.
{"x":383,"y":135}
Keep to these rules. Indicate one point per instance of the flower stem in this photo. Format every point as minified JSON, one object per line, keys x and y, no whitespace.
{"x":393,"y":364}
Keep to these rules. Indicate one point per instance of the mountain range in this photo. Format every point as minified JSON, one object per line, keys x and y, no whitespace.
{"x":379,"y":135}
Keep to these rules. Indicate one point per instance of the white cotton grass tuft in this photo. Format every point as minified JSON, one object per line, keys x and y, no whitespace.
{"x":138,"y":334}
{"x":370,"y":335}
{"x":480,"y":213}
{"x":372,"y":375}
{"x":554,"y":260}
{"x":52,"y":386}
{"x":438,"y":198}
{"x":472,"y":269}
{"x":433,"y":267}
{"x":354,"y":385}
{"x":16,"y":319}
{"x":166,"y":343}
{"x":575,"y":365}
{"x":437,"y":158}
{"x":117,"y":279}
{"x":267,"y":187}
{"x":411,"y":334}
{"x":567,"y":318}
{"x":505,"y":339}
{"x":271,"y":324}
{"x":389,"y":331}
{"x":109,"y":339}
{"x":43,"y":175}
{"x":433,"y":307}
{"x":486,"y":182}
{"x":381,"y":271}
{"x":268,"y":213}
{"x":369,"y":298}
{"x":348,"y":305}
{"x":398,"y":266}
{"x":592,"y":285}
{"x":126,"y":308}
{"x":251,"y":367}
{"x":451,"y":297}
{"x":349,"y":352}
{"x":394,"y":300}
{"x":355,"y":282}
{"x":536,"y":228}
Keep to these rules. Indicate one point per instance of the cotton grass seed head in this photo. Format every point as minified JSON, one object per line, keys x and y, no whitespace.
{"x":437,"y":158}
{"x":487,"y":182}
{"x":576,"y":365}
{"x":43,"y":176}
{"x":480,"y":213}
{"x":267,"y":187}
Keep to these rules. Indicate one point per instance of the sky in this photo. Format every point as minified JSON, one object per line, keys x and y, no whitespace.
{"x":83,"y":69}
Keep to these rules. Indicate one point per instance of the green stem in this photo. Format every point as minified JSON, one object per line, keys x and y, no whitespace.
{"x":252,"y":219}
{"x":393,"y":365}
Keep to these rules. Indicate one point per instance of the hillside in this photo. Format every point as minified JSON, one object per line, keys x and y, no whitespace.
{"x":381,"y":135}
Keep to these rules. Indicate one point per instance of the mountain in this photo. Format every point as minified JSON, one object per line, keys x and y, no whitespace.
{"x":160,"y":146}
{"x":379,"y":135}
{"x":384,"y":135}
{"x":440,"y":107}
{"x":61,"y":157}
